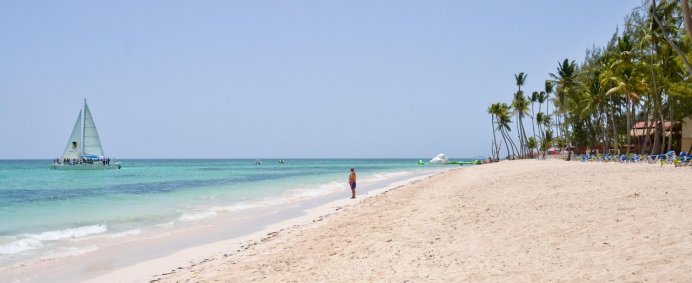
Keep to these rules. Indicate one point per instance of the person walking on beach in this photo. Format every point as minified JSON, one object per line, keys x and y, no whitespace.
{"x":352,"y":182}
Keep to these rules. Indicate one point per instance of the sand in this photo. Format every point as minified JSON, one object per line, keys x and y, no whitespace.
{"x":529,"y":220}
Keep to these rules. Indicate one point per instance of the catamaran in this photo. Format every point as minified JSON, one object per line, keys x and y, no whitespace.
{"x":83,"y":150}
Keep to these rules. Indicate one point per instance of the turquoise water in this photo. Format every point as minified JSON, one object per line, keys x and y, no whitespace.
{"x":41,"y":208}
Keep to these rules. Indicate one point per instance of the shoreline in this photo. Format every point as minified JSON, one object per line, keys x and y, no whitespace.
{"x":233,"y":229}
{"x":154,"y":269}
{"x":526,"y":220}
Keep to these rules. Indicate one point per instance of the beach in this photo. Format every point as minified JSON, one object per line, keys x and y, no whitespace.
{"x":529,"y":220}
{"x":74,"y":226}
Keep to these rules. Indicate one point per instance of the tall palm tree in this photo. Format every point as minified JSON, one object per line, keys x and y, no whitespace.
{"x":493,"y":110}
{"x":503,"y":122}
{"x":608,"y":79}
{"x":630,"y":85}
{"x":548,"y":91}
{"x":566,"y":86}
{"x":629,"y":81}
{"x":520,"y":79}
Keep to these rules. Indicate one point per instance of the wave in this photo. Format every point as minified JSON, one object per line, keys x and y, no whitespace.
{"x":20,"y":246}
{"x":239,"y":206}
{"x":122,"y":234}
{"x":67,"y":252}
{"x":316,"y":191}
{"x":35,"y":241}
{"x":297,"y":193}
{"x":69,"y":233}
{"x":166,"y":225}
{"x":188,"y":217}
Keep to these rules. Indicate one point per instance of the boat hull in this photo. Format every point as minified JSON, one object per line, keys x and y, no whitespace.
{"x":98,"y":166}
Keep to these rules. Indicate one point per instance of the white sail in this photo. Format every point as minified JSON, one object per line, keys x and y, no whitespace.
{"x":73,"y":149}
{"x":84,"y":147}
{"x":92,"y":143}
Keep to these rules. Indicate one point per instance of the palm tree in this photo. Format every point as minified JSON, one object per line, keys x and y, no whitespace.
{"x":503,"y":122}
{"x":534,"y":98}
{"x":531,"y":143}
{"x":627,"y":79}
{"x":521,"y":107}
{"x":548,"y":91}
{"x":565,"y":79}
{"x":540,"y":120}
{"x":629,"y":85}
{"x":520,"y":80}
{"x":608,"y":79}
{"x":547,"y":123}
{"x":493,"y":110}
{"x":541,"y":99}
{"x":547,"y":141}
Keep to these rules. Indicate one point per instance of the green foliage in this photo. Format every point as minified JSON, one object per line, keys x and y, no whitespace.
{"x":636,"y":76}
{"x":532,"y":143}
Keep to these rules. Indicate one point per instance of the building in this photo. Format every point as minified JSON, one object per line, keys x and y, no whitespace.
{"x":686,"y":137}
{"x":640,"y":129}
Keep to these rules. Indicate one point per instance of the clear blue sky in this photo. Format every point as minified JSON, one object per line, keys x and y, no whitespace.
{"x":259,"y":79}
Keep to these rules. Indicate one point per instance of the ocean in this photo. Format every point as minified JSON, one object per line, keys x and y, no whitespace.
{"x":46,"y":214}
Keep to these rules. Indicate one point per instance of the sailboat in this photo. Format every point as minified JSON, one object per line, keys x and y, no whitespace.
{"x":83,"y":150}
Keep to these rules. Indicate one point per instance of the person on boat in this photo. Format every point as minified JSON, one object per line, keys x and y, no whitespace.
{"x":352,"y":182}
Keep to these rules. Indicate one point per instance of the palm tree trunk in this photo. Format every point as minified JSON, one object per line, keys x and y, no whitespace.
{"x":526,"y":140}
{"x":670,"y":138}
{"x":505,"y":140}
{"x":662,"y":129}
{"x":647,"y":132}
{"x":628,"y":118}
{"x":604,"y":130}
{"x":547,"y":111}
{"x":568,"y":138}
{"x":533,"y":122}
{"x":613,"y":122}
{"x":495,"y":150}
{"x":521,"y":141}
{"x":515,"y":150}
{"x":509,"y":144}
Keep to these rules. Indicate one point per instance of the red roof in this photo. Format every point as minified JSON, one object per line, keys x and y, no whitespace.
{"x":649,"y":124}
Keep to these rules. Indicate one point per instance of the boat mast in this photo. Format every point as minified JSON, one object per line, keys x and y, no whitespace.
{"x":81,"y":152}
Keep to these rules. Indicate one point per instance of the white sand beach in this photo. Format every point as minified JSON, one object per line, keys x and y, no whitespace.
{"x":511,"y":221}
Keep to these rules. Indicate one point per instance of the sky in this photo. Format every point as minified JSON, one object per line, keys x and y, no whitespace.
{"x":280,"y":79}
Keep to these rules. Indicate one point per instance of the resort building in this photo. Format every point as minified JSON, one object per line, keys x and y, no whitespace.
{"x":641,"y":130}
{"x":686,"y":136}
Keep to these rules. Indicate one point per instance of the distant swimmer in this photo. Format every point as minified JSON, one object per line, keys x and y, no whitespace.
{"x":352,"y":182}
{"x":258,"y":162}
{"x":281,"y":161}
